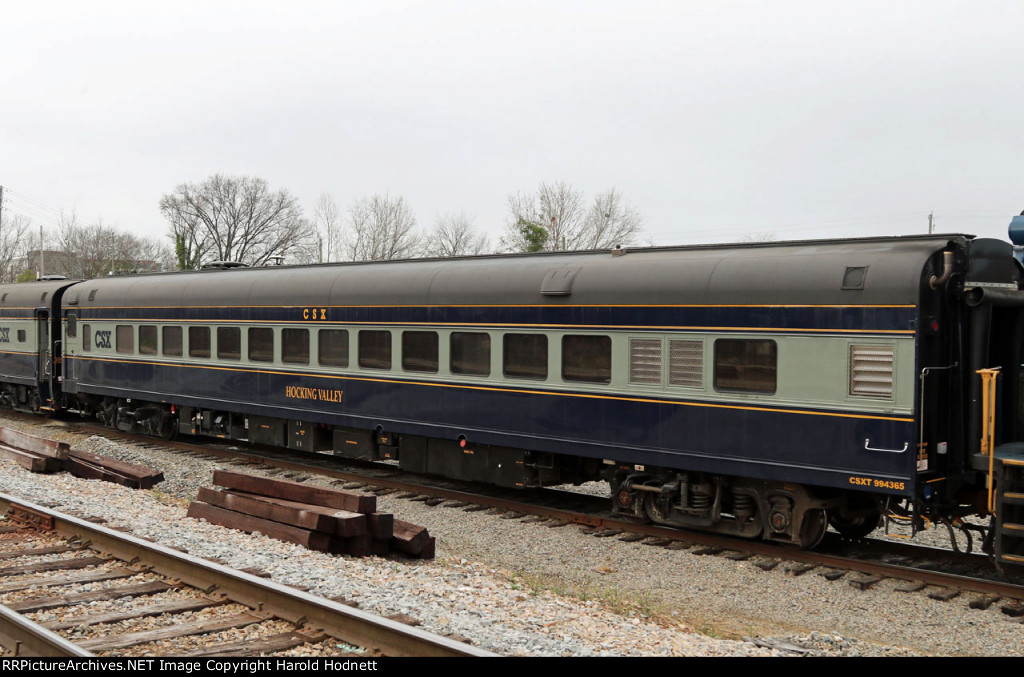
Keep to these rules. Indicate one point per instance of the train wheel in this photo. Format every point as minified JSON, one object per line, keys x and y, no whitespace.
{"x":168,"y":429}
{"x":654,"y":512}
{"x":855,"y":527}
{"x":813,"y":528}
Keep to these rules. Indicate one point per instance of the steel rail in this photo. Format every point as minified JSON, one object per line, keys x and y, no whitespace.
{"x":377,"y":635}
{"x":761,"y":548}
{"x":26,"y":638}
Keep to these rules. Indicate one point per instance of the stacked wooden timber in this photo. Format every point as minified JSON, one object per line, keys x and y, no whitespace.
{"x":39,"y":454}
{"x":319,"y":518}
{"x":95,"y":467}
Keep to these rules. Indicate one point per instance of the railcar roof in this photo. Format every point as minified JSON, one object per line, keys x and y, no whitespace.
{"x":30,"y":294}
{"x":807,"y":272}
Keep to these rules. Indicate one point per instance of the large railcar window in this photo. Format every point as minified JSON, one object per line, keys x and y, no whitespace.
{"x":229,"y":343}
{"x":375,"y":349}
{"x":199,"y":341}
{"x":124,"y":339}
{"x":172,"y":341}
{"x":419,"y":351}
{"x":686,"y":363}
{"x":332,"y":346}
{"x":147,"y":339}
{"x":72,"y":325}
{"x":587,"y":359}
{"x":871,"y":371}
{"x":746,"y":365}
{"x":86,"y":338}
{"x":261,"y":344}
{"x":295,"y":346}
{"x":525,"y":356}
{"x":470,"y":353}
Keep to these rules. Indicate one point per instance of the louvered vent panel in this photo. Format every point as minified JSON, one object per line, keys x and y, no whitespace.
{"x":686,"y":363}
{"x":645,"y":361}
{"x":871,"y":371}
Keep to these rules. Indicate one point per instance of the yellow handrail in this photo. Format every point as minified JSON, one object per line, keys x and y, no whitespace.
{"x":989,"y":378}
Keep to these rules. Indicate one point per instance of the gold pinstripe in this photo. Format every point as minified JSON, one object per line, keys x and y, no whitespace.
{"x":631,"y":327}
{"x":460,"y":386}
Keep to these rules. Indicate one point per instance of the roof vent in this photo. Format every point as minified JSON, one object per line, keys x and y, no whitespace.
{"x":558,"y":282}
{"x":854,"y":277}
{"x":223,"y":265}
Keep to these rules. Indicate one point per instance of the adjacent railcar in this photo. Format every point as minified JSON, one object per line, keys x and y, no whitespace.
{"x":762,"y":390}
{"x":30,"y":355}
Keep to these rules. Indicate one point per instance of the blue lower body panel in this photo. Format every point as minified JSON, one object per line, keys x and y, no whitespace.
{"x":824,"y":448}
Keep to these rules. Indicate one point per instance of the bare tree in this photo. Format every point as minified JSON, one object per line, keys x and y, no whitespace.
{"x":97,"y":250}
{"x":759,"y":237}
{"x":234,"y":218}
{"x":14,"y":241}
{"x":611,"y":222}
{"x":556,"y":208}
{"x":328,"y":224}
{"x":381,"y":228}
{"x":555,"y":219}
{"x":455,"y":235}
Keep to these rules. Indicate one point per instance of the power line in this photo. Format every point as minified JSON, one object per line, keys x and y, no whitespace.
{"x":31,"y":209}
{"x":26,"y":198}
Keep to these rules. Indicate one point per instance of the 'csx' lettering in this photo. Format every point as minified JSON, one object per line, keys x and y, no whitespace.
{"x":314,"y":313}
{"x":5,"y":334}
{"x":102,"y":339}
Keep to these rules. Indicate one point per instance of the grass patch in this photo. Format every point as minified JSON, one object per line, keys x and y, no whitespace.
{"x":610,"y":598}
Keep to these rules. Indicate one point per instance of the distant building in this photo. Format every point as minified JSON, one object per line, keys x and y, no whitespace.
{"x":45,"y":262}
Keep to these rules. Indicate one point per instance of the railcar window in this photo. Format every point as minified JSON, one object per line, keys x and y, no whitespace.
{"x":686,"y":363}
{"x":645,"y":361}
{"x":72,"y":325}
{"x":746,"y":365}
{"x":199,"y":341}
{"x":419,"y":351}
{"x":587,"y":359}
{"x":21,"y":336}
{"x":229,"y":343}
{"x":375,"y":349}
{"x":470,"y":353}
{"x":124,"y":339}
{"x":261,"y":344}
{"x":332,"y":346}
{"x":525,"y":356}
{"x":172,"y":341}
{"x":295,"y":346}
{"x":86,"y":338}
{"x":147,"y":339}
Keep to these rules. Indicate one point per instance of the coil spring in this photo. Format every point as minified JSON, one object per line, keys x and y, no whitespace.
{"x":742,"y":504}
{"x":700,"y":499}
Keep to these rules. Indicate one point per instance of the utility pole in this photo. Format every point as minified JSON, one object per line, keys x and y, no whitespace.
{"x":931,"y":222}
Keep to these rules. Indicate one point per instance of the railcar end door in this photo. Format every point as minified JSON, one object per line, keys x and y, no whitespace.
{"x":44,"y":369}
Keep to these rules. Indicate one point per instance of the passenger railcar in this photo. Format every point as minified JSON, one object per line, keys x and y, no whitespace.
{"x":30,"y":354}
{"x":763,"y":390}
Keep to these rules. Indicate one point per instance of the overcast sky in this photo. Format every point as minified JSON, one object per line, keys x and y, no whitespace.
{"x":715,"y":119}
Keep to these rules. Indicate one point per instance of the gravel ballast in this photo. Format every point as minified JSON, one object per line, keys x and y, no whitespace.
{"x":526,"y":589}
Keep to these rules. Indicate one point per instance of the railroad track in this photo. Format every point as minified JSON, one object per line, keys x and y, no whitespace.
{"x":48,"y":558}
{"x":935,"y":572}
